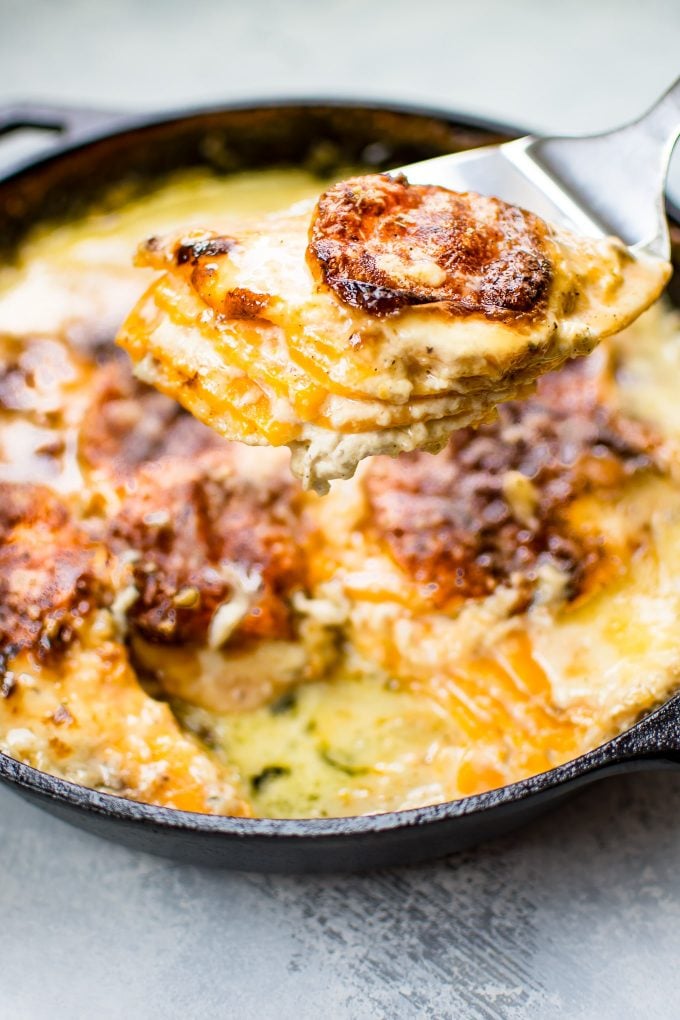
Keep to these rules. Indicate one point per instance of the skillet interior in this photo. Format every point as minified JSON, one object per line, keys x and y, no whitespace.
{"x":319,"y":137}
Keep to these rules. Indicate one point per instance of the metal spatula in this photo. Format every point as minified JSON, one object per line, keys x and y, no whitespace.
{"x":611,"y":183}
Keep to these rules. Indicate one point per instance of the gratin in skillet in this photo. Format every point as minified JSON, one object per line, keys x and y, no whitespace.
{"x":325,"y":136}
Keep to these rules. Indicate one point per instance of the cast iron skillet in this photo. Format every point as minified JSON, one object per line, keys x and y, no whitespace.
{"x":89,"y":153}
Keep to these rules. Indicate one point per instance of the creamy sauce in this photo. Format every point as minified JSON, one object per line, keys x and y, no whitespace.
{"x":647,"y":362}
{"x":354,"y":743}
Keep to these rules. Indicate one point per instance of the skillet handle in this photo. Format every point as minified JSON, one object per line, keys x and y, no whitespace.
{"x":62,"y":125}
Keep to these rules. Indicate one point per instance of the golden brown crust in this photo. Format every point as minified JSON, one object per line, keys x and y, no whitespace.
{"x":190,"y":521}
{"x":449,"y":521}
{"x":193,"y":248}
{"x":189,"y":513}
{"x":128,"y":425}
{"x":197,"y":256}
{"x":49,"y":572}
{"x":382,"y":244}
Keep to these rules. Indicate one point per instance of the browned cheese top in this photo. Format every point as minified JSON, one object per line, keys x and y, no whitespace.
{"x":189,"y":505}
{"x":50,"y":572}
{"x":185,"y":518}
{"x":449,"y":522}
{"x":127,"y":425}
{"x":382,"y":244}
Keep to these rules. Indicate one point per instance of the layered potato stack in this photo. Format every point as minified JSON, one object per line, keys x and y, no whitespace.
{"x":377,"y":321}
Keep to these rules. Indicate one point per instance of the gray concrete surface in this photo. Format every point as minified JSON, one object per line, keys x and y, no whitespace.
{"x":578,"y":916}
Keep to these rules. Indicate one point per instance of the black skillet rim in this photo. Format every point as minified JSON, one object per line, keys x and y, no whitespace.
{"x":632,"y":745}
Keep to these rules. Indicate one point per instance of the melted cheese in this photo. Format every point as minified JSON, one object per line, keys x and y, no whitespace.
{"x":89,"y":721}
{"x":353,"y":743}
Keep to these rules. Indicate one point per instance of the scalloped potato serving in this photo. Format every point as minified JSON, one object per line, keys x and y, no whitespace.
{"x":183,"y":623}
{"x":377,"y":321}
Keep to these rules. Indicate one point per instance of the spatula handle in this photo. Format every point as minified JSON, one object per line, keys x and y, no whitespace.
{"x":619,"y":177}
{"x":662,"y":121}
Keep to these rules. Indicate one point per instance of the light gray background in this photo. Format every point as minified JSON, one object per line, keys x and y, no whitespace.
{"x":577,"y":916}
